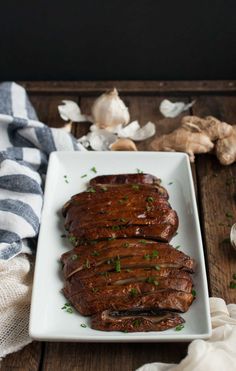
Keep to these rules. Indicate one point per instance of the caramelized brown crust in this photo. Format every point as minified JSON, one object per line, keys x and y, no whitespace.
{"x":135,"y":321}
{"x":128,"y":254}
{"x":166,"y":299}
{"x":122,"y":270}
{"x":139,"y":178}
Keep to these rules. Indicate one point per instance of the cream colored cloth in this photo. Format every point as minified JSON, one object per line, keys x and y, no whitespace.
{"x":216,"y":354}
{"x":15,"y":295}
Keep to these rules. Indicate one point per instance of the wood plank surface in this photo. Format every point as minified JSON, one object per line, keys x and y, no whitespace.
{"x":109,"y":357}
{"x":131,"y":87}
{"x":216,"y":198}
{"x":217,"y":189}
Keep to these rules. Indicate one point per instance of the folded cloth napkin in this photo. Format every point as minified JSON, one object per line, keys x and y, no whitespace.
{"x":25,"y":144}
{"x":216,"y":354}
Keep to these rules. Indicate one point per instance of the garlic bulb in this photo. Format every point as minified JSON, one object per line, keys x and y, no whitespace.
{"x":109,"y":110}
{"x":123,"y":144}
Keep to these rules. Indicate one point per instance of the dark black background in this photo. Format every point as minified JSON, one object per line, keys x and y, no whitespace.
{"x":117,"y":39}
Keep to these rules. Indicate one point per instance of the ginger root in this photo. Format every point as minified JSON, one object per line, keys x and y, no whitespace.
{"x":211,"y":126}
{"x":182,"y":140}
{"x":195,"y":135}
{"x":226,"y":148}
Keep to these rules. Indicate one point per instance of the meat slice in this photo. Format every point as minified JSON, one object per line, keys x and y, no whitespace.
{"x":122,"y":270}
{"x":166,"y":299}
{"x":139,"y":178}
{"x":118,"y":255}
{"x":94,"y":282}
{"x":122,"y":195}
{"x":134,"y":321}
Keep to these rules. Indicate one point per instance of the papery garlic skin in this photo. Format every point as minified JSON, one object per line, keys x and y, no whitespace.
{"x":123,"y":144}
{"x":109,"y":111}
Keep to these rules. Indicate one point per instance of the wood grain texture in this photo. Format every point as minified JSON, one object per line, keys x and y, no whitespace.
{"x":27,"y":359}
{"x":217,"y":189}
{"x":216,"y":199}
{"x":46,"y":107}
{"x":107,"y":357}
{"x":130,"y":87}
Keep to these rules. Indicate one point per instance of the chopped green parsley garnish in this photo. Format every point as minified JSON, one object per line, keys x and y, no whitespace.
{"x":136,"y":322}
{"x":83,"y":176}
{"x":149,"y":199}
{"x":229,"y":215}
{"x":139,"y":171}
{"x":68,"y":308}
{"x":87,"y":264}
{"x":72,"y":239}
{"x":177,"y":247}
{"x":147,"y":256}
{"x":152,"y":280}
{"x":91,"y":190}
{"x":95,"y":253}
{"x":126,"y":244}
{"x":232,"y":285}
{"x":179,"y":327}
{"x":93,"y":169}
{"x":94,"y":289}
{"x":104,"y":189}
{"x":74,"y":257}
{"x":117,"y":265}
{"x":65,"y":178}
{"x":83,"y":325}
{"x":135,"y":186}
{"x":143,"y":241}
{"x":157,"y":267}
{"x":170,"y":183}
{"x":128,"y":270}
{"x":194,"y":293}
{"x":133,"y":292}
{"x":122,"y":220}
{"x":155,"y":253}
{"x":115,"y":227}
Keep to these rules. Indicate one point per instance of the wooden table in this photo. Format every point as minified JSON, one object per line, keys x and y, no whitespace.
{"x":216,"y":192}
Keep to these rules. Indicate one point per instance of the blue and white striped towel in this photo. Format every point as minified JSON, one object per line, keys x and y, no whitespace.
{"x":25,"y":144}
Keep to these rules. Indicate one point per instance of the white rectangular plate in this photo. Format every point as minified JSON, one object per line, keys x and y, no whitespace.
{"x":64,"y":179}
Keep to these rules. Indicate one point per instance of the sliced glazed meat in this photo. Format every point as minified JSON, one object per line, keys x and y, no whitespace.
{"x":166,"y":299}
{"x":133,"y":321}
{"x":118,"y":255}
{"x":121,"y":269}
{"x":77,"y":282}
{"x":139,"y":178}
{"x":117,"y":196}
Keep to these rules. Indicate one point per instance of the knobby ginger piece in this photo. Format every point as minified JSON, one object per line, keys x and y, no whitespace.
{"x":211,"y":126}
{"x":182,"y":140}
{"x":226,"y":148}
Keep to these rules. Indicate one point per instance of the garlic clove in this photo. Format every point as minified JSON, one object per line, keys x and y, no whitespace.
{"x":123,"y":144}
{"x":135,"y":131}
{"x":98,"y":139}
{"x":109,"y":110}
{"x":70,"y":110}
{"x":170,"y":109}
{"x":233,"y":236}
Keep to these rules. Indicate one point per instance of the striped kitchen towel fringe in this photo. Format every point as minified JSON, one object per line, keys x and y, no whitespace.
{"x":25,"y":144}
